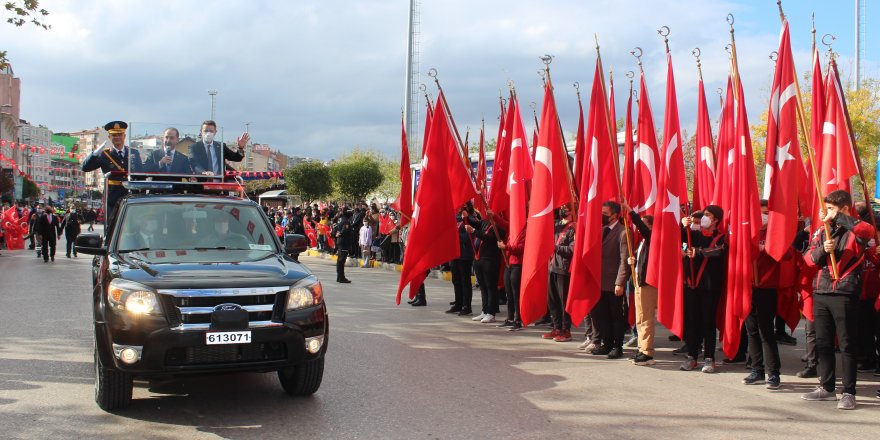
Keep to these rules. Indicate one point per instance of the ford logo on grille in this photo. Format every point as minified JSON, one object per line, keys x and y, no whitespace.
{"x":227,"y":307}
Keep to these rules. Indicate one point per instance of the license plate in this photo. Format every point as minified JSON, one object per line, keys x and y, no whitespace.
{"x":216,"y":338}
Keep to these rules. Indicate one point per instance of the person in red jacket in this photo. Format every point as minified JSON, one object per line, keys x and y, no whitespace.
{"x":513,"y":248}
{"x":836,"y":299}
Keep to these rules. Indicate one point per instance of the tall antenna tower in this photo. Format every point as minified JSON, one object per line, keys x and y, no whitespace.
{"x":413,"y":78}
{"x":861,"y":17}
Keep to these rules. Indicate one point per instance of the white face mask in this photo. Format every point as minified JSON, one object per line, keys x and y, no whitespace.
{"x":209,"y":136}
{"x":695,"y":227}
{"x":705,"y":222}
{"x":764,"y":219}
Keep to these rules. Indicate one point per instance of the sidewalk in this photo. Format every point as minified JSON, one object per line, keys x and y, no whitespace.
{"x":388,"y":267}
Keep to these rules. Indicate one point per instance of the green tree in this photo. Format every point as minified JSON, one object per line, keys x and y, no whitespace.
{"x":30,"y":190}
{"x":356,"y":174}
{"x":20,"y":13}
{"x":311,"y":180}
{"x":6,"y":184}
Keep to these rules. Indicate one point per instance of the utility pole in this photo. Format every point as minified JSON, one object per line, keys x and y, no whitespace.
{"x":410,"y":106}
{"x":213,"y":94}
{"x":247,"y":127}
{"x":860,"y":35}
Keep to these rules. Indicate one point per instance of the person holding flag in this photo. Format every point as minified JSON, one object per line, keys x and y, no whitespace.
{"x":609,"y":315}
{"x":560,"y":263}
{"x":835,"y":301}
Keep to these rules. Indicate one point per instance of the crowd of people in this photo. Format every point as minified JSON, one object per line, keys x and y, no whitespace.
{"x":46,"y":225}
{"x":841,"y":310}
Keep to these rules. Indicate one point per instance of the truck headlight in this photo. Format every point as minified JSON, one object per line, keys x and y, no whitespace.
{"x":305,"y":293}
{"x":132,"y":297}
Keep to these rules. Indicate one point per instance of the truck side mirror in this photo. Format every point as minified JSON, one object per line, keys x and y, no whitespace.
{"x":90,"y":243}
{"x":295,"y":244}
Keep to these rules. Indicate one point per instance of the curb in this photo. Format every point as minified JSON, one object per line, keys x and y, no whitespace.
{"x":388,"y":267}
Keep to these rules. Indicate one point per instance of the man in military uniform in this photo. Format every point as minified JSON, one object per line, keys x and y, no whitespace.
{"x":114,"y":158}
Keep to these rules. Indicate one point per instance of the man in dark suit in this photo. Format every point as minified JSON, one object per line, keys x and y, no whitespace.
{"x":208,"y":156}
{"x":114,"y":158}
{"x":168,"y":160}
{"x":609,"y":315}
{"x":71,"y":226}
{"x":48,"y":227}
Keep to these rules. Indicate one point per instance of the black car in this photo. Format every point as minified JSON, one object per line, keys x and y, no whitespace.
{"x":195,"y":284}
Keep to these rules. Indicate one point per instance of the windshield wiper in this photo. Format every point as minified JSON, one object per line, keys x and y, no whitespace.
{"x":144,"y":266}
{"x":220,"y":248}
{"x":135,"y":250}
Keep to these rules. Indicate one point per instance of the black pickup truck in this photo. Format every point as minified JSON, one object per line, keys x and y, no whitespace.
{"x":198,"y":284}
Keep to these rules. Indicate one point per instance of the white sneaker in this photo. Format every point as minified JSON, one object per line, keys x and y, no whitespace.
{"x":488,"y":318}
{"x":479,"y":317}
{"x":584,"y":345}
{"x":709,"y":366}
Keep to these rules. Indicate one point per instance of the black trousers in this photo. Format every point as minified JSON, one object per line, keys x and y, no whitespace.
{"x":341,"y":256}
{"x":868,"y":340}
{"x":557,"y":297}
{"x":762,"y":335}
{"x":836,"y":314}
{"x":48,"y":248}
{"x":609,"y":319}
{"x":700,"y":307}
{"x":487,"y":277}
{"x":70,"y":239}
{"x":810,"y":333}
{"x":461,"y":282}
{"x":512,"y":281}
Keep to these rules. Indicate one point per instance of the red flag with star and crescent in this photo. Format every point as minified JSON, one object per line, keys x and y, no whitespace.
{"x":839,"y":160}
{"x":551,"y":188}
{"x":597,"y":185}
{"x":646,"y":157}
{"x":499,"y":198}
{"x":724,"y":153}
{"x":782,"y":178}
{"x":519,"y":172}
{"x":704,"y":154}
{"x":404,"y":200}
{"x":664,"y":261}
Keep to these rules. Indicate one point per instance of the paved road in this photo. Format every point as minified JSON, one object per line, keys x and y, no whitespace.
{"x":392,"y":372}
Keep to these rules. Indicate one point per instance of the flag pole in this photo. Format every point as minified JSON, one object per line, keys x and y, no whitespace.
{"x":812,"y":153}
{"x":614,"y":159}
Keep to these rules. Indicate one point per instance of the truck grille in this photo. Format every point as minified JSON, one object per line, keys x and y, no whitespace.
{"x":220,"y":354}
{"x":191,"y":309}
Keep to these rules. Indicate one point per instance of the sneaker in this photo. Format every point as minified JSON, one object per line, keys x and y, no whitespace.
{"x":615,"y":353}
{"x":584,"y":345}
{"x":506,"y":323}
{"x":847,"y":401}
{"x":819,"y":394}
{"x":785,"y":339}
{"x":754,"y":378}
{"x":454,"y":309}
{"x":808,"y":372}
{"x":708,"y":366}
{"x":479,"y":317}
{"x":517,"y":326}
{"x":564,"y":336}
{"x":681,"y":350}
{"x":603,"y":350}
{"x":773,"y":381}
{"x":728,"y":361}
{"x":465,"y":312}
{"x":643,"y":359}
{"x":632,"y":342}
{"x":590,"y":347}
{"x":688,"y":365}
{"x":551,"y":335}
{"x":488,"y":319}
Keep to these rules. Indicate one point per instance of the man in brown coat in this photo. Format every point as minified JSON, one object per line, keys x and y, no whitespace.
{"x":609,"y":314}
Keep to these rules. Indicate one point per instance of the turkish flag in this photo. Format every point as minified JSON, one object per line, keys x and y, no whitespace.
{"x":429,"y":116}
{"x":664,"y":260}
{"x":480,"y":200}
{"x":579,"y":146}
{"x":551,"y":188}
{"x":499,"y":198}
{"x":597,"y":186}
{"x":724,"y":151}
{"x":704,"y":154}
{"x":839,"y":160}
{"x":433,"y":236}
{"x":809,"y":197}
{"x":459,"y":167}
{"x":745,"y":228}
{"x":646,"y":157}
{"x":519,"y":172}
{"x":783,"y":175}
{"x":404,"y":201}
{"x":628,"y":153}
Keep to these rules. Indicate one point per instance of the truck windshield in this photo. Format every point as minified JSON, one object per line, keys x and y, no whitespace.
{"x":193,"y":226}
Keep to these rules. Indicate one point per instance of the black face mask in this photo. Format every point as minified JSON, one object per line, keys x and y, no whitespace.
{"x":563,"y":215}
{"x":606,"y":219}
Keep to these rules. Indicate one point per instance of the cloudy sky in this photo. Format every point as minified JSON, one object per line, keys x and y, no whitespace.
{"x":316,"y":78}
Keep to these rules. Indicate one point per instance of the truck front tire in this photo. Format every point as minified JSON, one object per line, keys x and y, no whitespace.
{"x":302,"y":380}
{"x":112,"y":388}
